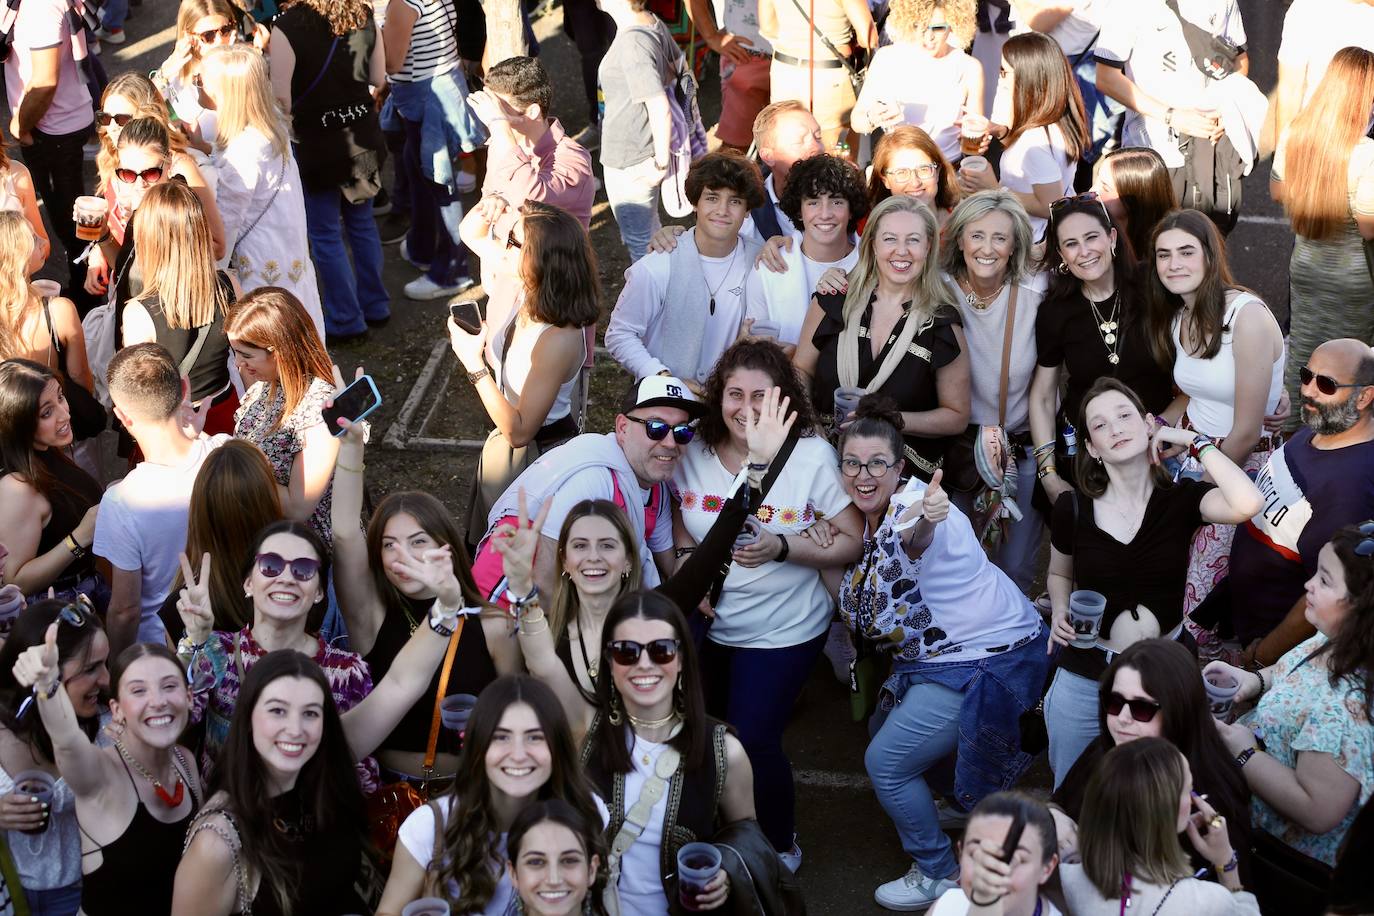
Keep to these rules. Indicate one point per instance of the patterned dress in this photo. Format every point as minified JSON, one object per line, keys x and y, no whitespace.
{"x":256,"y":422}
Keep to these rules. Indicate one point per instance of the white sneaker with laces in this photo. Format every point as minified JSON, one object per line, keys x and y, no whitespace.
{"x":423,"y":288}
{"x":912,"y":892}
{"x":792,"y":858}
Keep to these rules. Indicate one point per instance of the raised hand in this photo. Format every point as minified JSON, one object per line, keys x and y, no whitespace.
{"x":433,"y":568}
{"x":517,"y":545}
{"x":193,"y":602}
{"x":766,"y":429}
{"x":37,"y":666}
{"x":991,"y":877}
{"x":1215,"y":844}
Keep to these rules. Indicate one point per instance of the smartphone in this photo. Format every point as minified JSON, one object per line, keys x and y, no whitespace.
{"x":1018,"y":827}
{"x":468,"y":316}
{"x":353,"y":403}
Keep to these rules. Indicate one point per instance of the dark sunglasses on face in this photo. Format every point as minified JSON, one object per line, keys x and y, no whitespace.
{"x":209,"y":36}
{"x":938,"y":27}
{"x":303,"y":569}
{"x":626,"y":652}
{"x":1325,"y":383}
{"x":1366,"y":547}
{"x":657,"y":430}
{"x":1141,"y":710}
{"x":103,"y":118}
{"x":149,"y":176}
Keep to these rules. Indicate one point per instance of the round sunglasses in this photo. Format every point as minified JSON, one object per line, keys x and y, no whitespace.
{"x":149,"y":176}
{"x":1325,"y":383}
{"x":303,"y":569}
{"x":1141,"y":710}
{"x":103,"y":118}
{"x":626,"y":652}
{"x":657,"y":430}
{"x":209,"y":35}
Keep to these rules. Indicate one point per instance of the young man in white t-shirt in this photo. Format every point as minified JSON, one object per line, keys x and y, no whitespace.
{"x":141,"y":526}
{"x":679,"y":310}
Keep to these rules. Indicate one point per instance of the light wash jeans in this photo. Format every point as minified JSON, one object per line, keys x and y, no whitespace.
{"x":634,"y":202}
{"x":1070,"y":719}
{"x":919,"y":732}
{"x":1016,"y":555}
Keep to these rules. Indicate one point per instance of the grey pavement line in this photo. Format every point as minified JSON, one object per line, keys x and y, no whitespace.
{"x":832,"y":779}
{"x":1264,"y":220}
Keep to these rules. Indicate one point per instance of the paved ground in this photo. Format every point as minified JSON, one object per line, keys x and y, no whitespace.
{"x":849,"y":844}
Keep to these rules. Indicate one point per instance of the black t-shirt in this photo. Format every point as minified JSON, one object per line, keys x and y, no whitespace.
{"x":1066,"y":333}
{"x":912,"y":384}
{"x":1151,"y":570}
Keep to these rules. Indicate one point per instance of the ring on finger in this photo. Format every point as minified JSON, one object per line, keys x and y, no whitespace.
{"x":1216,"y":822}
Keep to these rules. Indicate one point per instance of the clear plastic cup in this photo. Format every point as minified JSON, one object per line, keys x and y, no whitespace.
{"x":426,"y":906}
{"x":455,"y":710}
{"x":971,"y":133}
{"x":974,"y":164}
{"x":1222,"y":687}
{"x":37,"y":785}
{"x":89,"y":214}
{"x":697,"y":864}
{"x":1085,"y":613}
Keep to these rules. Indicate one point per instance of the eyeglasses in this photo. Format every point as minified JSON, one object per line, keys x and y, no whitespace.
{"x":103,"y":118}
{"x":74,"y":614}
{"x":1366,"y":547}
{"x":922,"y":172}
{"x":512,"y":241}
{"x":938,"y":27}
{"x":657,"y":430}
{"x":877,"y":467}
{"x":149,"y":176}
{"x":1141,"y":710}
{"x":1087,"y":197}
{"x":210,"y":35}
{"x":1325,"y":383}
{"x":626,"y":652}
{"x":303,"y":569}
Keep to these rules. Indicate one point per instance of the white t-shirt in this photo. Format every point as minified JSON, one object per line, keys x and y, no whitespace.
{"x":954,"y":903}
{"x":790,"y":310}
{"x":1314,"y":30}
{"x":985,"y":333}
{"x":773,"y":605}
{"x":142,"y":525}
{"x":1039,"y":156}
{"x":38,"y":25}
{"x":931,"y":90}
{"x":741,"y":17}
{"x":1076,"y":31}
{"x":641,"y":885}
{"x":1145,"y":37}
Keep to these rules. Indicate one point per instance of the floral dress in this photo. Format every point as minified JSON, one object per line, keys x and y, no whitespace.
{"x":1302,"y":712}
{"x":256,"y":422}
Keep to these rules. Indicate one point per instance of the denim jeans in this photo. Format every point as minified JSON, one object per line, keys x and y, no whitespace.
{"x":113,"y":14}
{"x":1017,"y":554}
{"x":634,"y":202}
{"x":353,"y":295}
{"x":57,"y":901}
{"x":1071,"y":720}
{"x":918,"y":732}
{"x":1104,"y":113}
{"x":55,"y":161}
{"x":754,"y":690}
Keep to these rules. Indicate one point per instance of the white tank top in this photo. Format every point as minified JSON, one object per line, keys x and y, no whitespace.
{"x":512,"y":367}
{"x":1211,"y":383}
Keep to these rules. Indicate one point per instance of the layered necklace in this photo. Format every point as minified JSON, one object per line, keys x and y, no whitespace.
{"x":978,"y":302}
{"x":170,"y":799}
{"x":1106,"y":327}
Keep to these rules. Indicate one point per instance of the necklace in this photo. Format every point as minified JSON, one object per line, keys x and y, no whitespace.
{"x":171,"y":800}
{"x":728,"y":267}
{"x":981,"y":302}
{"x":1106,"y":327}
{"x":637,"y":722}
{"x":592,"y":669}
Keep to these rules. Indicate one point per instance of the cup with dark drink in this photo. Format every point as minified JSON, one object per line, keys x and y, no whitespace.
{"x":38,"y":786}
{"x":426,"y":906}
{"x":1222,"y":687}
{"x":697,"y":865}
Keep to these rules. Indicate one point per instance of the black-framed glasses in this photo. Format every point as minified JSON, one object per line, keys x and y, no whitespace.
{"x":209,"y":35}
{"x":658,"y":430}
{"x":626,"y":652}
{"x":1325,"y":383}
{"x":1087,"y":197}
{"x":922,"y":172}
{"x":149,"y":176}
{"x":272,"y":565}
{"x":1366,"y":547}
{"x":74,"y":614}
{"x":1141,"y":710}
{"x":512,"y":241}
{"x":877,"y":467}
{"x":103,"y":118}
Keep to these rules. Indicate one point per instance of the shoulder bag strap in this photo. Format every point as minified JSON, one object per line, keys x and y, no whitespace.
{"x":229,"y":833}
{"x":1006,"y":357}
{"x":829,"y":45}
{"x":52,"y":333}
{"x":776,"y":465}
{"x":319,"y":76}
{"x":428,"y":769}
{"x":638,"y":816}
{"x":257,"y":219}
{"x":189,"y":360}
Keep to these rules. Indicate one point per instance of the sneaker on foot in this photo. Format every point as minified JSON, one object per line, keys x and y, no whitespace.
{"x":414,"y":262}
{"x":422,"y":289}
{"x":952,"y":817}
{"x":912,"y":892}
{"x":113,"y":36}
{"x":393,"y":226}
{"x":792,"y":858}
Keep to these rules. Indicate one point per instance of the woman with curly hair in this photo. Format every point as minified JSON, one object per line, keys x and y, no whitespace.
{"x":924,"y":77}
{"x":908,"y":162}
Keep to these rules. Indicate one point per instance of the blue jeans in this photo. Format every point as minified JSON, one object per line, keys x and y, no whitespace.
{"x":754,"y":690}
{"x":353,"y":295}
{"x":634,"y":203}
{"x":113,"y":14}
{"x":1071,"y":720}
{"x":1104,"y":113}
{"x":57,"y":901}
{"x":917,"y":733}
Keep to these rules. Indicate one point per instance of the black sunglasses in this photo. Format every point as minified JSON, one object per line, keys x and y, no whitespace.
{"x":103,"y":118}
{"x":1325,"y":383}
{"x":210,"y":34}
{"x":512,"y":241}
{"x":303,"y":569}
{"x":1141,"y":710}
{"x":1087,"y":197}
{"x":74,"y":615}
{"x":1366,"y":547}
{"x":658,"y":430}
{"x":626,"y":652}
{"x":149,"y":176}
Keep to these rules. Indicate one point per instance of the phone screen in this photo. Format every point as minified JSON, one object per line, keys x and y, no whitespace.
{"x":353,"y":403}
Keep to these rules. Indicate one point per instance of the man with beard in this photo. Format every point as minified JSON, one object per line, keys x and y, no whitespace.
{"x":1321,"y":479}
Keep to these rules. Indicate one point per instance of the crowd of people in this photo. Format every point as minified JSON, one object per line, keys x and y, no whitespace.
{"x":948,"y":291}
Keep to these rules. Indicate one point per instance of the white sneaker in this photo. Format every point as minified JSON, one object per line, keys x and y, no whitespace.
{"x":115,"y":38}
{"x":912,"y":892}
{"x":414,"y":262}
{"x":423,"y":288}
{"x":792,"y":858}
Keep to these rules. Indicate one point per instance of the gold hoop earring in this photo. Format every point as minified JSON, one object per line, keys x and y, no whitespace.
{"x":614,"y":716}
{"x":1063,"y":269}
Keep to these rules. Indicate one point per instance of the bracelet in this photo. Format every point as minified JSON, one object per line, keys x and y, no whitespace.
{"x":475,"y":377}
{"x":1045,"y":449}
{"x":680,"y":552}
{"x":531,"y":625}
{"x":441,"y":618}
{"x":1046,"y":471}
{"x":1244,"y":756}
{"x":1232,"y":864}
{"x":1160,"y":422}
{"x":1263,"y":686}
{"x":343,"y":467}
{"x":77,"y":550}
{"x":186,"y":647}
{"x":786,"y":549}
{"x":518,"y":603}
{"x":976,"y":902}
{"x":50,"y":691}
{"x":1199,"y":443}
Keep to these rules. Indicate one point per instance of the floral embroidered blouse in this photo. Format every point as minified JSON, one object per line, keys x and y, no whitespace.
{"x":254,"y":422}
{"x":1302,"y":712}
{"x":227,"y":659}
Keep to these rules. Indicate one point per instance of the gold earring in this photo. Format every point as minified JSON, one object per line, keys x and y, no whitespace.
{"x":614,"y":716}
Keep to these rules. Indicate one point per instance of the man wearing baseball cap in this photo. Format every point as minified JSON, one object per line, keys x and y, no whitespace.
{"x":630,"y":467}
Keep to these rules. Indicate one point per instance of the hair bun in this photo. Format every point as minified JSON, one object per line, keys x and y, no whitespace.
{"x":882,"y":408}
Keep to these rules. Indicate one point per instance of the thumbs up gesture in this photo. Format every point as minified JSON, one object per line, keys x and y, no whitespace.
{"x":38,"y":667}
{"x":935,"y":503}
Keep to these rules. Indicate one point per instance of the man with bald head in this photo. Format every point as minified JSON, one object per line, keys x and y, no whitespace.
{"x":1320,"y":480}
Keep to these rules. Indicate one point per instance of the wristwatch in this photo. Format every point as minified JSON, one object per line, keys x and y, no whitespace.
{"x":475,"y":377}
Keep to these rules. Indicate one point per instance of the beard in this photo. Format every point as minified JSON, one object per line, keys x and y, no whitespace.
{"x":1331,"y":419}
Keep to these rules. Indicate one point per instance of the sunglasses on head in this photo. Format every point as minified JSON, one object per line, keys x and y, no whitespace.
{"x":75,"y":614}
{"x":512,"y":241}
{"x":303,"y":569}
{"x":1087,"y":197}
{"x":1366,"y":547}
{"x":1325,"y":383}
{"x":149,"y":176}
{"x":626,"y":652}
{"x":103,"y":118}
{"x":1141,"y":710}
{"x":657,"y":430}
{"x":209,"y":35}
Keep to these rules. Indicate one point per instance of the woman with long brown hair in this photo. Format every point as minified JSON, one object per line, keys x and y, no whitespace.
{"x":907,"y":161}
{"x":1324,"y":176}
{"x":1134,"y":184}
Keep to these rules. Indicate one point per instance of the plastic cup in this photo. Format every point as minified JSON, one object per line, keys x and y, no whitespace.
{"x":1222,"y":687}
{"x":973,"y":164}
{"x":38,"y":785}
{"x":762,"y":327}
{"x":89,"y":214}
{"x":426,"y":906}
{"x":846,"y":400}
{"x":1085,"y":613}
{"x":971,"y":133}
{"x":749,"y":533}
{"x":697,"y":864}
{"x":49,"y":288}
{"x":455,"y":710}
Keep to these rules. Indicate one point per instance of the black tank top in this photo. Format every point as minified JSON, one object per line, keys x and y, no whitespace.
{"x":74,"y":494}
{"x":210,"y":373}
{"x":329,"y":861}
{"x":138,"y":870}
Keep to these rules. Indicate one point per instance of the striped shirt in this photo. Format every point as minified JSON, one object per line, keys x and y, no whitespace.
{"x":433,"y":47}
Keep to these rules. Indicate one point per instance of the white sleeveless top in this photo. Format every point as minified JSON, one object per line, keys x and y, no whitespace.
{"x":512,"y":368}
{"x":641,"y":886}
{"x":1211,"y":383}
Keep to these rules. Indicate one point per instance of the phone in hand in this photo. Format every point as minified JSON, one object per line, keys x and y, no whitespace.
{"x":1018,"y":827}
{"x":353,"y":403}
{"x":467,"y":315}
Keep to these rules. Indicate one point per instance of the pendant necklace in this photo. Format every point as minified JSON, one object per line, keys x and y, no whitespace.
{"x":982,"y":302}
{"x":171,"y":800}
{"x":592,"y":669}
{"x":728,"y":267}
{"x":1106,"y":327}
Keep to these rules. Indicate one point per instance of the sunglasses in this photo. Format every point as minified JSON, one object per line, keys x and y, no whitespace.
{"x":626,"y":652}
{"x":938,"y":27}
{"x":1141,"y":710}
{"x":73,"y":615}
{"x":512,"y":241}
{"x":303,"y":569}
{"x":209,"y":36}
{"x":1366,"y":547}
{"x":923,"y":172}
{"x":103,"y":118}
{"x":1325,"y":383}
{"x":149,"y":176}
{"x":1087,"y":197}
{"x":657,"y":430}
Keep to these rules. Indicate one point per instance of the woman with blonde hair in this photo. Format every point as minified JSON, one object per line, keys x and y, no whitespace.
{"x":201,"y":26}
{"x":259,"y":192}
{"x":17,"y":195}
{"x":1323,"y":175}
{"x":45,"y":330}
{"x":924,"y":78}
{"x":184,"y":298}
{"x":284,"y":363}
{"x":891,"y":327}
{"x":908,"y":161}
